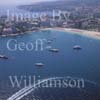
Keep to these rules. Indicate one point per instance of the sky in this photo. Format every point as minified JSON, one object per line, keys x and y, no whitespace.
{"x":18,"y":2}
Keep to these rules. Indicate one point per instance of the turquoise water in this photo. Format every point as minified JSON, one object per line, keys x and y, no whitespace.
{"x":67,"y":62}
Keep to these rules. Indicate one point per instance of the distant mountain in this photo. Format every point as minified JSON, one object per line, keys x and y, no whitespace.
{"x":59,"y":4}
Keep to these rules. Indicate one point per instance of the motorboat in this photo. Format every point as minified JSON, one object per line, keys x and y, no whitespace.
{"x":39,"y":64}
{"x":77,"y":47}
{"x":3,"y":57}
{"x":54,"y":50}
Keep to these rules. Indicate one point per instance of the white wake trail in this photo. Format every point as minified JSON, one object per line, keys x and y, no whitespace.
{"x":27,"y":90}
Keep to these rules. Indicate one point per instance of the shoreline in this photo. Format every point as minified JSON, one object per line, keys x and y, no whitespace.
{"x":91,"y":34}
{"x":17,"y":34}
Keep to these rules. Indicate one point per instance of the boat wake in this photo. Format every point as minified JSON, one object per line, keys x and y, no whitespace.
{"x":27,"y":90}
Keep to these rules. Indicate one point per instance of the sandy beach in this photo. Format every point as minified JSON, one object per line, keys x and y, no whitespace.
{"x":91,"y":34}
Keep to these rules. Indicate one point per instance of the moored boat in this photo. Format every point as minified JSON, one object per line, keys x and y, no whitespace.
{"x":3,"y":57}
{"x":77,"y":47}
{"x":39,"y":64}
{"x":54,"y":50}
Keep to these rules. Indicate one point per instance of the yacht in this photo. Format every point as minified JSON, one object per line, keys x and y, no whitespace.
{"x":39,"y":64}
{"x":3,"y":57}
{"x":77,"y":47}
{"x":54,"y":50}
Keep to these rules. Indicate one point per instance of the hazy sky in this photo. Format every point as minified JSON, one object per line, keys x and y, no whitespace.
{"x":17,"y":2}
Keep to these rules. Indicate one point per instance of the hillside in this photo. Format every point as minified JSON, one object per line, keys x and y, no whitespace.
{"x":60,"y":4}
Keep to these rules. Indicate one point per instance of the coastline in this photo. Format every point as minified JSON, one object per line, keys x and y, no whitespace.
{"x":17,"y":34}
{"x":91,"y":34}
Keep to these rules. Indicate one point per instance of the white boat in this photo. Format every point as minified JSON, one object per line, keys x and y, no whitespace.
{"x":3,"y":57}
{"x":39,"y":64}
{"x":77,"y":47}
{"x":54,"y":50}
